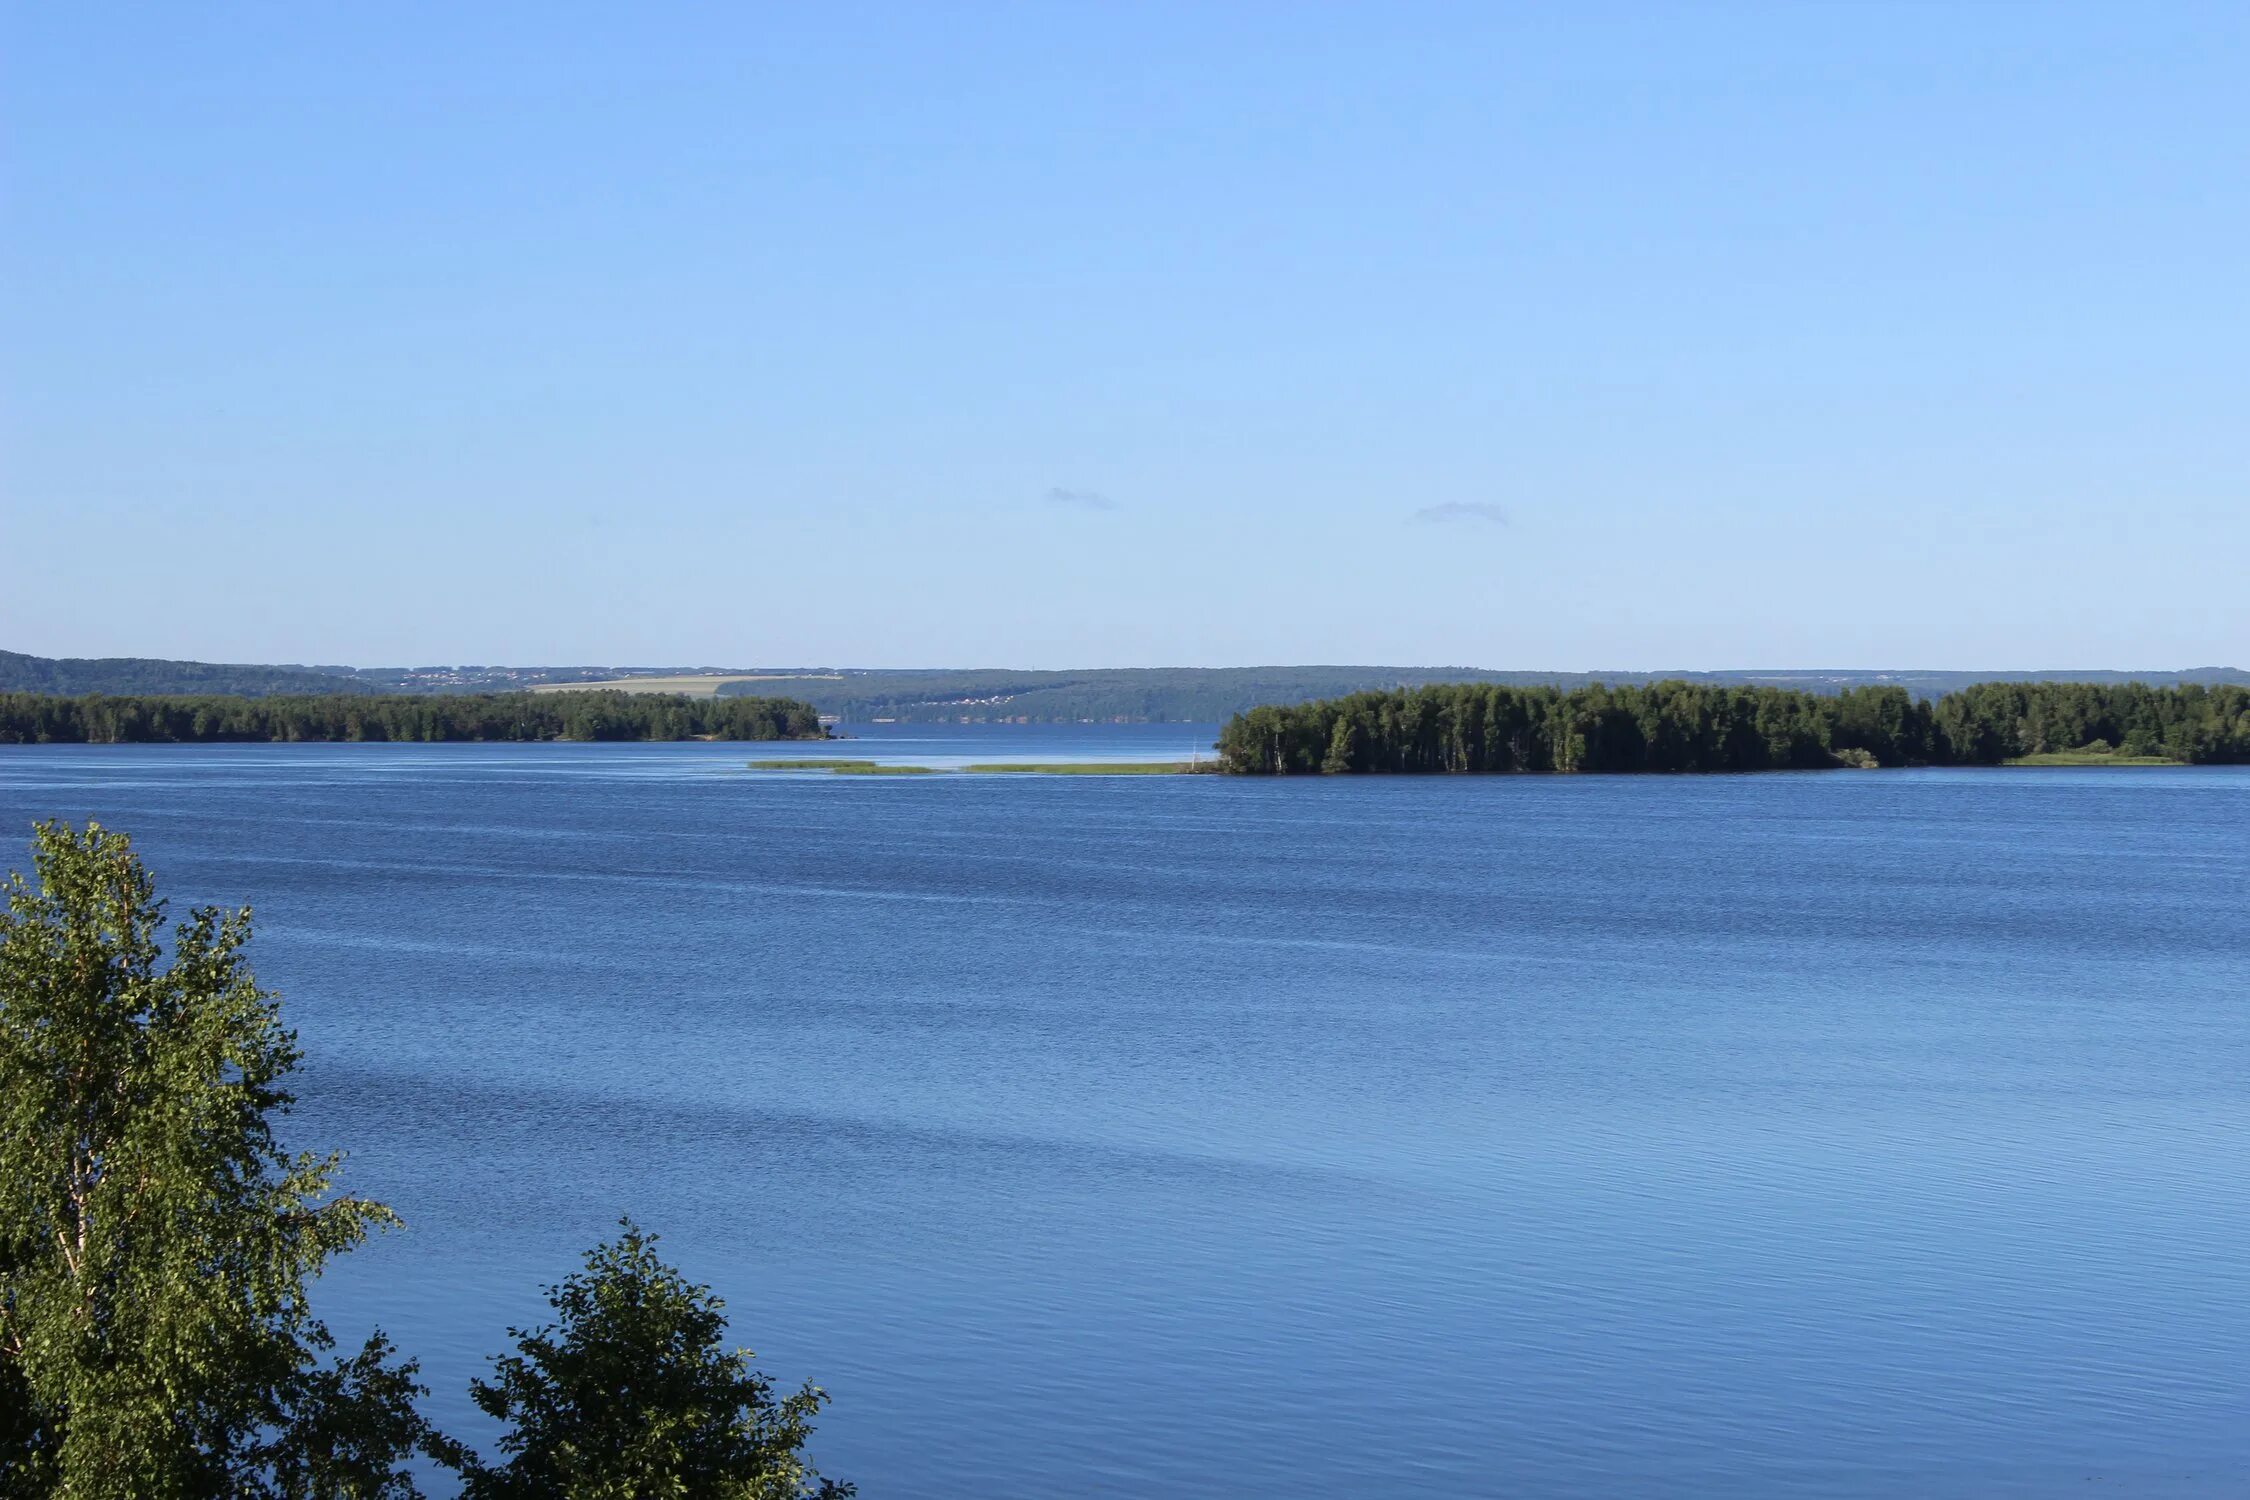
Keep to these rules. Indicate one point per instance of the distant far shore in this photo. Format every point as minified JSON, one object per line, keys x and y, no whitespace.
{"x":1453,"y":728}
{"x":948,"y":695}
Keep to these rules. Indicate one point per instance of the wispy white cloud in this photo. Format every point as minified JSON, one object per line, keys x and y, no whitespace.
{"x":1460,"y":510}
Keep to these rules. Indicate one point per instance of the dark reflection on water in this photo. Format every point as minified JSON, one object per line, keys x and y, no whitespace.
{"x":1833,"y":1134}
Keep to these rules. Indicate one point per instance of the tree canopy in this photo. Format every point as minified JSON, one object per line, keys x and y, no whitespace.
{"x":1683,"y":726}
{"x":632,"y":1392}
{"x":155,"y":1240}
{"x":156,"y":1246}
{"x":27,"y":718}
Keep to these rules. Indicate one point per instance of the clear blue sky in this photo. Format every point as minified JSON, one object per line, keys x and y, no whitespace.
{"x":1569,"y":336}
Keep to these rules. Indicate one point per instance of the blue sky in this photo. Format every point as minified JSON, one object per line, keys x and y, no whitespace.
{"x":1568,"y":337}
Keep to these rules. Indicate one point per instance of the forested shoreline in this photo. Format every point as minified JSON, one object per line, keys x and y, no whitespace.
{"x":1682,"y":726}
{"x":1456,"y":728}
{"x":37,"y":719}
{"x":946,"y":695}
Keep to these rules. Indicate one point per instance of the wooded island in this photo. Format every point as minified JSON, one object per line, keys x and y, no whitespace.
{"x":1681,"y":726}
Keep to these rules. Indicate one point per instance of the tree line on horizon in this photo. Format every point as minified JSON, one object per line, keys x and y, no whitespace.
{"x":157,"y":1243}
{"x":1683,"y":726}
{"x":39,"y":719}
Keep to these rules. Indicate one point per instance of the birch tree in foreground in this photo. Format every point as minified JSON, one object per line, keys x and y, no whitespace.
{"x":155,"y":1239}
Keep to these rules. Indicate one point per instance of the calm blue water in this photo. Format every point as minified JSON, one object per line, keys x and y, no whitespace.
{"x":1843,"y":1134}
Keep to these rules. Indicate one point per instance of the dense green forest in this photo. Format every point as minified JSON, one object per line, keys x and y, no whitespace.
{"x":28,"y":718}
{"x":1684,"y":726}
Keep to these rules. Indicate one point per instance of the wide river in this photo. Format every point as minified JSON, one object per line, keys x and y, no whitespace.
{"x":1843,"y":1134}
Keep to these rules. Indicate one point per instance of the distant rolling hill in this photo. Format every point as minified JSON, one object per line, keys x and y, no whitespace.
{"x":859,"y":695}
{"x":145,"y":676}
{"x":1212,"y":694}
{"x":120,"y":676}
